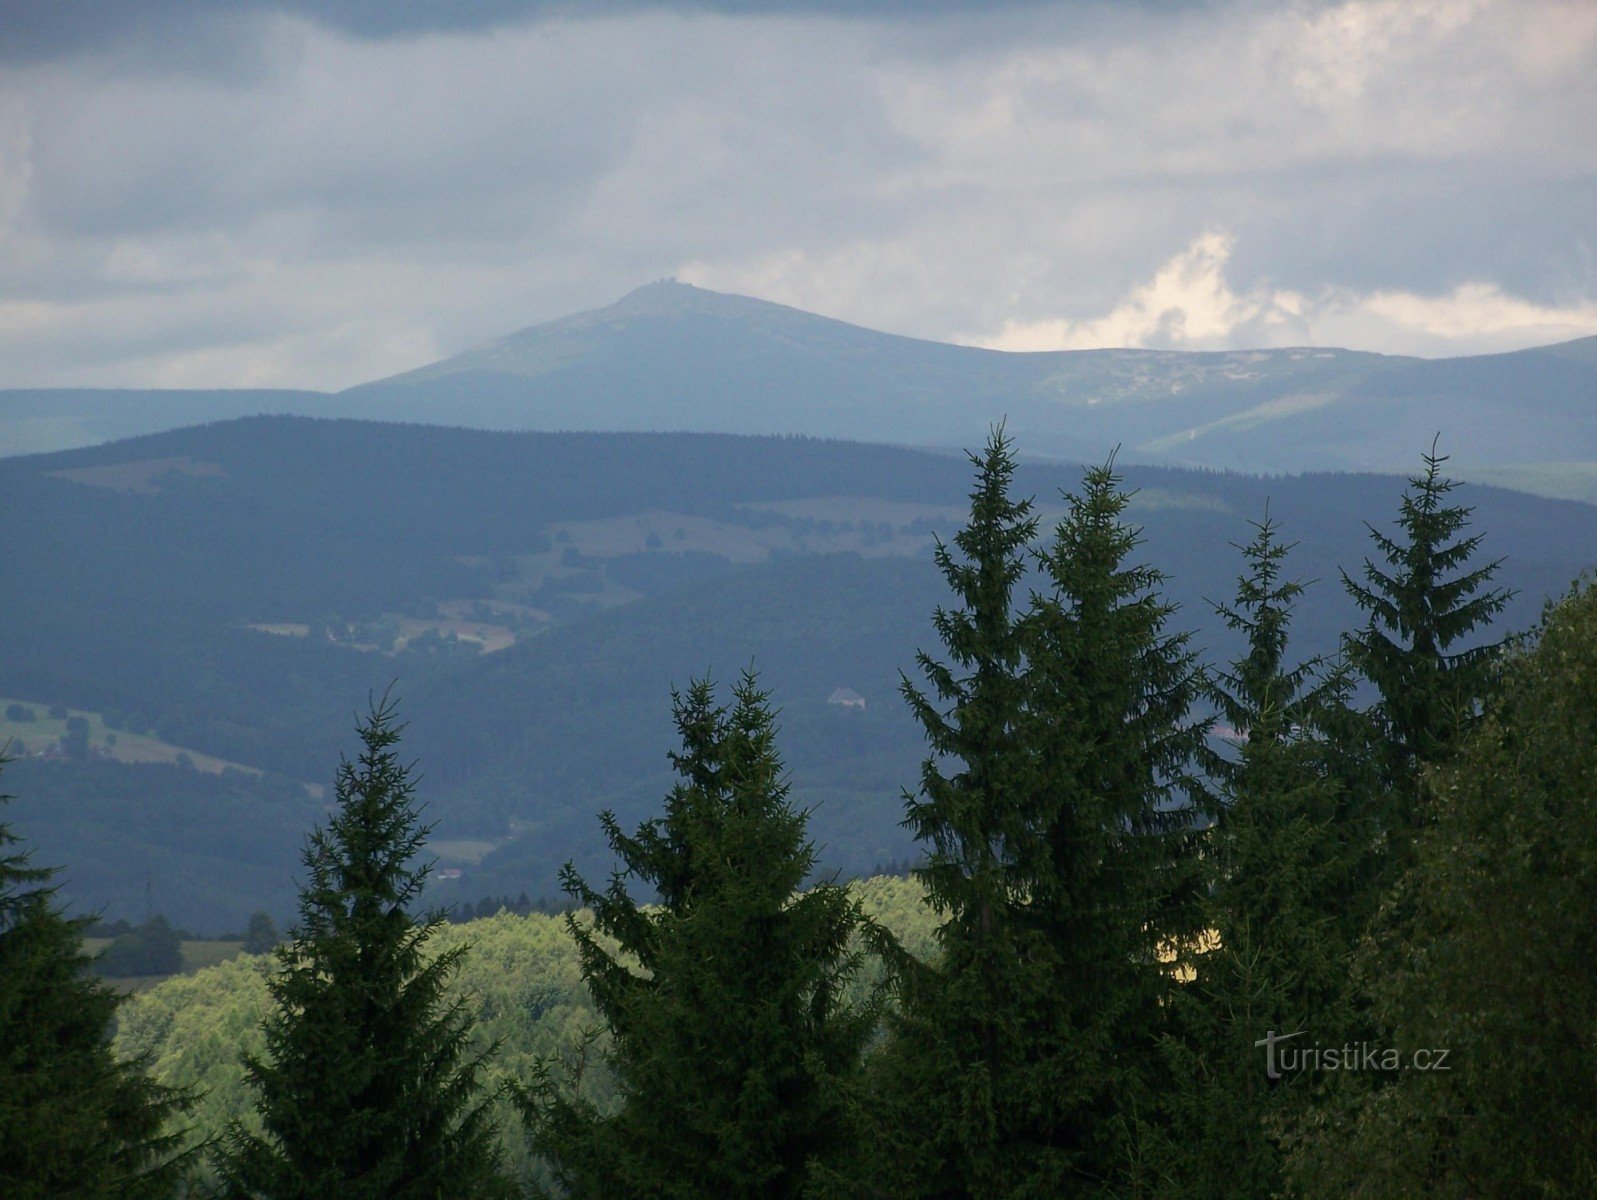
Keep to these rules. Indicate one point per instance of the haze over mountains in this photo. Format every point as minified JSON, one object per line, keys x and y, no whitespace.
{"x":671,"y":357}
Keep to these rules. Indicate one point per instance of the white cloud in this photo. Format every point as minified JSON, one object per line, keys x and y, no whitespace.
{"x":1190,"y":304}
{"x":1475,"y":317}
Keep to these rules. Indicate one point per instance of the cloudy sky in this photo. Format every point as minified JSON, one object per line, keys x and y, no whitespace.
{"x":315,"y":194}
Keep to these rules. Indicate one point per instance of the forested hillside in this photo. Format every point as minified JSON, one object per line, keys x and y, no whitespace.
{"x":1129,"y":862}
{"x":239,"y":589}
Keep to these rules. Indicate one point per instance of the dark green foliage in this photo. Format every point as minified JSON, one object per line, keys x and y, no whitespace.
{"x":967,"y":1064}
{"x":74,"y":1121}
{"x":261,"y":935}
{"x":75,"y":741}
{"x":734,"y":1057}
{"x":1060,"y":844}
{"x":1422,"y":649}
{"x":369,"y":1086}
{"x":1283,"y":859}
{"x":1425,"y":603}
{"x":1497,"y":961}
{"x":1116,"y":886}
{"x":154,"y":948}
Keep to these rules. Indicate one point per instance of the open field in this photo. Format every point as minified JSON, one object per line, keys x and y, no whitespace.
{"x":44,"y":733}
{"x":460,"y":852}
{"x":197,"y":955}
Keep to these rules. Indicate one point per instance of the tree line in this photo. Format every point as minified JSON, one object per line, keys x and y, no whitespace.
{"x":1280,"y":927}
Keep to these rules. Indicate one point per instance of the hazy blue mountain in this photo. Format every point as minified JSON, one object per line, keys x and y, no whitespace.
{"x":40,"y":420}
{"x":674,"y":357}
{"x":240,"y":589}
{"x":671,"y":357}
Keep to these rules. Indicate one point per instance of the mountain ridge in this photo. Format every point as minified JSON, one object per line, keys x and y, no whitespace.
{"x":673,"y":357}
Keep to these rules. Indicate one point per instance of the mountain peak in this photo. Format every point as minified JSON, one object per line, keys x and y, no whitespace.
{"x":671,"y":297}
{"x":667,"y":291}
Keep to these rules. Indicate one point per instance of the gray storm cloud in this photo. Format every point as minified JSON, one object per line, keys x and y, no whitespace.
{"x":303,"y":202}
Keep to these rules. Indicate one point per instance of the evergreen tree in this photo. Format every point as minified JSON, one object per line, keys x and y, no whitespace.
{"x":1283,"y":860}
{"x":1426,"y":605}
{"x":154,"y":948}
{"x":1060,"y":848}
{"x":1497,"y":964}
{"x":74,"y":1121}
{"x":1115,"y":882}
{"x":370,"y":1087}
{"x":961,"y":1077}
{"x":1424,"y":602}
{"x":261,"y":936}
{"x":733,"y":1053}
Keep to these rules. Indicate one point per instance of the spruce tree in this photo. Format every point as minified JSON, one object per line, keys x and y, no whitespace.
{"x":1489,"y":990}
{"x":734,"y":1055}
{"x":1115,"y":885}
{"x":1421,"y":650}
{"x":74,"y":1121}
{"x":369,"y":1087}
{"x":1283,"y":858}
{"x":1424,"y":603}
{"x":960,"y":1078}
{"x":1059,"y":838}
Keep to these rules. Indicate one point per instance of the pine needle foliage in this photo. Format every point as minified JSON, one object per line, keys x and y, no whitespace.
{"x":735,"y":1056}
{"x":74,"y":1120}
{"x":370,"y":1087}
{"x":1424,"y":603}
{"x":1496,"y":966}
{"x":1283,"y":862}
{"x":964,"y":1079}
{"x":1117,"y":886}
{"x":1057,"y":812}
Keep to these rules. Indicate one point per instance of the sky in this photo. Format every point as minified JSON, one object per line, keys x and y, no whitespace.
{"x":314,"y":194}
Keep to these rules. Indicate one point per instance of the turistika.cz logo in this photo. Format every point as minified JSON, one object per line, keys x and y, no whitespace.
{"x":1281,"y":1058}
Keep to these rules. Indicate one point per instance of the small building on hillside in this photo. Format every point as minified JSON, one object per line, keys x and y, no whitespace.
{"x":846,"y":698}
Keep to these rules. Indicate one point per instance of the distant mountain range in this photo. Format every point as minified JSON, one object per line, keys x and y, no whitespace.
{"x":671,"y":357}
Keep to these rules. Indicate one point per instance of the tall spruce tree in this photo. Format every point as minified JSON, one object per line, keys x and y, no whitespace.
{"x":1115,"y":885}
{"x":1057,"y":814}
{"x":1283,"y":858}
{"x":1424,"y":602}
{"x":370,"y":1087}
{"x":735,"y":1057}
{"x":74,"y":1120}
{"x":1489,"y":990}
{"x":965,"y":1081}
{"x":1420,"y":649}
